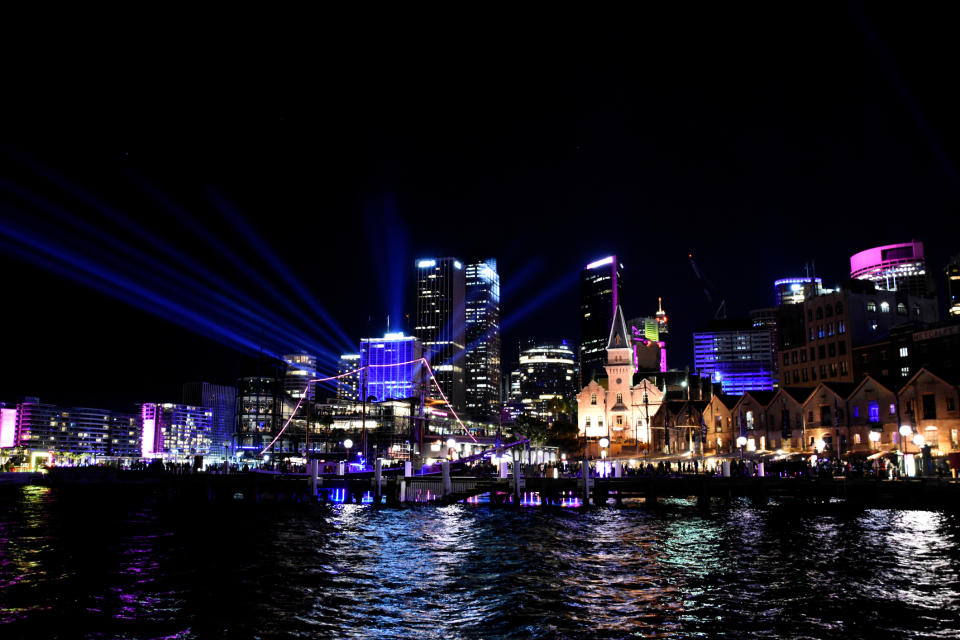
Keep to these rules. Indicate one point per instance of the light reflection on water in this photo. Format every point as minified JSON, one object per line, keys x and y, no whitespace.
{"x":147,"y":570}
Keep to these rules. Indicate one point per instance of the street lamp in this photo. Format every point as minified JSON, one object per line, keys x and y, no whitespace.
{"x":820,"y":445}
{"x":451,"y":443}
{"x":741,"y":442}
{"x":874,"y":439}
{"x":347,"y":444}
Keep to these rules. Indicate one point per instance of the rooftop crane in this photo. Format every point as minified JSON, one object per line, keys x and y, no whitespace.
{"x":710,"y":291}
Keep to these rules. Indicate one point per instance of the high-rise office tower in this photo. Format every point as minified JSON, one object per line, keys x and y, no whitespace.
{"x":301,"y":368}
{"x":599,"y":297}
{"x":440,"y":321}
{"x":348,"y":384}
{"x":483,"y":339}
{"x":894,"y":267}
{"x":953,"y":286}
{"x":547,"y":372}
{"x":221,"y":399}
{"x":796,"y":290}
{"x":391,"y":367}
{"x":735,"y":354}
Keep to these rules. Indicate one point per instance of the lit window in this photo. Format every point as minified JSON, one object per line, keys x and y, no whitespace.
{"x":619,"y":398}
{"x":884,"y":307}
{"x":872,"y":306}
{"x":904,"y":352}
{"x":904,"y":371}
{"x":593,"y":398}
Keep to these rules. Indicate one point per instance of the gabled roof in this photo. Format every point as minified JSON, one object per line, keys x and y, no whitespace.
{"x":840,"y":389}
{"x":800,"y":394}
{"x":619,"y":336}
{"x":763,"y":398}
{"x":728,"y":401}
{"x":869,"y":378}
{"x":917,"y":375}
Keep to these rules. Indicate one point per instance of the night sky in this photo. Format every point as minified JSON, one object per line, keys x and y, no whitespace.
{"x":336,"y":153}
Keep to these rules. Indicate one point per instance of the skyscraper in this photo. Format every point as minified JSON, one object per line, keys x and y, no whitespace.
{"x":347,"y":385}
{"x":440,"y":321}
{"x":301,"y":367}
{"x":483,"y":339}
{"x":599,"y":297}
{"x":736,"y":355}
{"x":393,"y":372}
{"x":222,"y":401}
{"x":547,"y":371}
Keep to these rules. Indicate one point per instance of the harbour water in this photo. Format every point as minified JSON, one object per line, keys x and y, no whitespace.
{"x":87,"y":565}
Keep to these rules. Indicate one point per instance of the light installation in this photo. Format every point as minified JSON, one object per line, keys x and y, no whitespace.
{"x":148,"y":441}
{"x":369,"y":366}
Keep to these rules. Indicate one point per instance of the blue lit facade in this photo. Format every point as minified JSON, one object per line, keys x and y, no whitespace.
{"x":483,"y":339}
{"x":740,"y":360}
{"x":385,"y":377}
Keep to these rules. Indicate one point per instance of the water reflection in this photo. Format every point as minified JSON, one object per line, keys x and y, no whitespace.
{"x":126,"y":567}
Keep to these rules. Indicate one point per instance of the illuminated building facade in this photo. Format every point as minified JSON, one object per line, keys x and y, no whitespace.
{"x":649,"y":351}
{"x":482,"y":359}
{"x":175,"y":432}
{"x":615,"y":408}
{"x":222,"y":401}
{"x":894,"y":267}
{"x":91,"y":434}
{"x":8,"y":426}
{"x":548,"y":371}
{"x":953,"y":286}
{"x":259,"y":408}
{"x":300,"y":368}
{"x":440,"y":323}
{"x":347,"y":386}
{"x":386,"y":377}
{"x":796,"y":290}
{"x":735,"y":355}
{"x":836,"y":323}
{"x":600,"y":286}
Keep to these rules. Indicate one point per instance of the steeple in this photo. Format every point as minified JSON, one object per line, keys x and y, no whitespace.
{"x":619,"y":336}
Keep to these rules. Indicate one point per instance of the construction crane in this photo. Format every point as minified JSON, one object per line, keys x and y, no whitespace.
{"x":710,"y":291}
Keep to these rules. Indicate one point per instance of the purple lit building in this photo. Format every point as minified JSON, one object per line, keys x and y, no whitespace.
{"x":393,"y":369}
{"x":735,"y":355}
{"x":894,"y":267}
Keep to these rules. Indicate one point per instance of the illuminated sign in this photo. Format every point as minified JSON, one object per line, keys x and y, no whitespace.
{"x":424,"y":264}
{"x":600,"y":263}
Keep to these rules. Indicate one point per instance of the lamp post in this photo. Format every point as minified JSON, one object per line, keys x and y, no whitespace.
{"x":451,"y":443}
{"x":348,"y":444}
{"x":905,"y":431}
{"x":604,"y":443}
{"x":874,"y":439}
{"x":741,"y":442}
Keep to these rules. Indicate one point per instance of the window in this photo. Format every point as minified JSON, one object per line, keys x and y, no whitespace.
{"x":599,"y":421}
{"x":825,"y":417}
{"x":619,"y":398}
{"x":893,"y":408}
{"x":822,"y":351}
{"x":929,"y":406}
{"x":593,"y":398}
{"x":830,"y":331}
{"x":843,"y":367}
{"x":803,"y":374}
{"x":820,"y":332}
{"x":872,"y":306}
{"x":794,"y":357}
{"x":796,"y":377}
{"x":841,"y":327}
{"x":833,"y":369}
{"x":813,"y":354}
{"x":839,"y":308}
{"x":916,"y":311}
{"x":587,"y":423}
{"x":823,"y":371}
{"x":809,"y":315}
{"x":719,"y":424}
{"x":856,"y":438}
{"x":810,"y":417}
{"x":842,"y":348}
{"x":828,"y":311}
{"x":832,"y":349}
{"x":951,"y":404}
{"x":884,"y":307}
{"x":811,"y":334}
{"x":901,"y":309}
{"x":904,"y":371}
{"x":749,"y":419}
{"x":619,"y":421}
{"x":856,"y":411}
{"x":786,"y":358}
{"x":819,"y":313}
{"x":813,"y":373}
{"x":904,"y":352}
{"x":803,"y":356}
{"x":873,"y":411}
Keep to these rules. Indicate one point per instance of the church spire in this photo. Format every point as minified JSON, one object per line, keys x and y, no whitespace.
{"x":619,"y":336}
